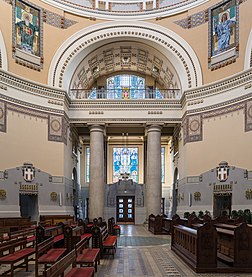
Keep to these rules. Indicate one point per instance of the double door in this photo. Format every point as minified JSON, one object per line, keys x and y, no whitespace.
{"x":125,"y":209}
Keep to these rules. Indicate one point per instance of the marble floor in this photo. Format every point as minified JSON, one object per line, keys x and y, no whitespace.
{"x":140,"y":254}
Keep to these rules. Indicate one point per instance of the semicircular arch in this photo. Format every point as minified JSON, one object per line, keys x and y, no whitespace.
{"x":176,"y":49}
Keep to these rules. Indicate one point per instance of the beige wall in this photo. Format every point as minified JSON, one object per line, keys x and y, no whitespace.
{"x":224,"y":139}
{"x":26,"y":140}
{"x":197,"y":37}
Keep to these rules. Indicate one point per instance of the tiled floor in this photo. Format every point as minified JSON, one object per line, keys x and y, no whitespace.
{"x":139,"y":254}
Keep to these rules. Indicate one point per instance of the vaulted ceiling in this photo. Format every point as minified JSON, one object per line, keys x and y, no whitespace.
{"x":125,"y":56}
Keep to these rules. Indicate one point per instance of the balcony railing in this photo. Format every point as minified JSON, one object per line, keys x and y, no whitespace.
{"x":131,"y":94}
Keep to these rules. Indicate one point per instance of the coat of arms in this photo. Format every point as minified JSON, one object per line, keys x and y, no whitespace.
{"x":222,"y":171}
{"x":28,"y":172}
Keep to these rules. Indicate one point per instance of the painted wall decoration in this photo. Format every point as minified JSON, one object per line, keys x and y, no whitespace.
{"x":27,"y":34}
{"x":2,"y":116}
{"x":223,"y":33}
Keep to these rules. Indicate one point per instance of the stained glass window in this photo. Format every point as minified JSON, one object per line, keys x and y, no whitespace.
{"x":87,"y":164}
{"x":125,"y":87}
{"x":125,"y":163}
{"x":162,"y":164}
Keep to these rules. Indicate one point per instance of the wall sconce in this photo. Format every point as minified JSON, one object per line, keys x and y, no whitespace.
{"x":248,"y":193}
{"x":197,"y":196}
{"x":54,"y":196}
{"x":69,"y":196}
{"x":3,"y":194}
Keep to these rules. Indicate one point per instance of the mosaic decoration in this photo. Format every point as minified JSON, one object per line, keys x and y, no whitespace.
{"x":57,"y":20}
{"x":223,"y":34}
{"x":2,"y":117}
{"x":193,"y":20}
{"x":27,"y":34}
{"x":192,"y":128}
{"x":55,"y":128}
{"x":125,"y":162}
{"x":248,"y":116}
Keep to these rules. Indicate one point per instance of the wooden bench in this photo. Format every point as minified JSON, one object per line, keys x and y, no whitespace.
{"x":197,"y":247}
{"x":74,"y":235}
{"x":46,"y":254}
{"x":53,"y":220}
{"x":14,"y":251}
{"x":113,"y":229}
{"x":86,"y":225}
{"x":62,"y":265}
{"x":43,"y":233}
{"x":87,"y":256}
{"x":155,"y":224}
{"x":101,"y":239}
{"x":234,"y":245}
{"x":28,"y":233}
{"x":13,"y":224}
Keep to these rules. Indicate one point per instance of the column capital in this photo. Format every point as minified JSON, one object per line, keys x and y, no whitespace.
{"x":154,"y":127}
{"x":96,"y":127}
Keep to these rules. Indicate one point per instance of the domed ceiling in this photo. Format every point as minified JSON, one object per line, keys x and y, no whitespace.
{"x":119,"y":9}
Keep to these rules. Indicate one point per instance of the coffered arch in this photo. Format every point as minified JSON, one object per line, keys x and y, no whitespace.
{"x":176,"y":50}
{"x":3,"y":53}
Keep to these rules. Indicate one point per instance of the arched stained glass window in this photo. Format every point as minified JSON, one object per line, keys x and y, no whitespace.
{"x":125,"y":163}
{"x":125,"y":87}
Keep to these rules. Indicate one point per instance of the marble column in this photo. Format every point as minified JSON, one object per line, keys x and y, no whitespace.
{"x":96,"y":181}
{"x":153,"y":167}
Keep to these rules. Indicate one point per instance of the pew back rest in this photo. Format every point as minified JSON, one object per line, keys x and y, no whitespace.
{"x":44,"y":246}
{"x":10,"y":246}
{"x":82,"y":244}
{"x":59,"y":267}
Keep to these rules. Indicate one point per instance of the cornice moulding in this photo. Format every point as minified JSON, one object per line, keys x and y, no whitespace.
{"x":29,"y":86}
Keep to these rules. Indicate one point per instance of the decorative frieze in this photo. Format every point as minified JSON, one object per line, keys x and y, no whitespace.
{"x":55,"y":128}
{"x":248,"y":116}
{"x":57,"y":124}
{"x":2,"y":116}
{"x":196,"y":19}
{"x":193,"y":20}
{"x":6,"y":79}
{"x":193,"y":128}
{"x":57,"y":20}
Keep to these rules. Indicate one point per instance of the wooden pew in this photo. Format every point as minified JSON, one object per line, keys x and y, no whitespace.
{"x":73,"y":235}
{"x":43,"y":233}
{"x":167,"y":223}
{"x":62,"y":265}
{"x":197,"y":247}
{"x":28,"y":233}
{"x":87,"y":256}
{"x":14,"y":251}
{"x":234,"y":245}
{"x":47,"y":255}
{"x":113,"y":229}
{"x":156,"y":224}
{"x":101,"y":239}
{"x":86,"y":225}
{"x":52,"y":220}
{"x":12,"y":224}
